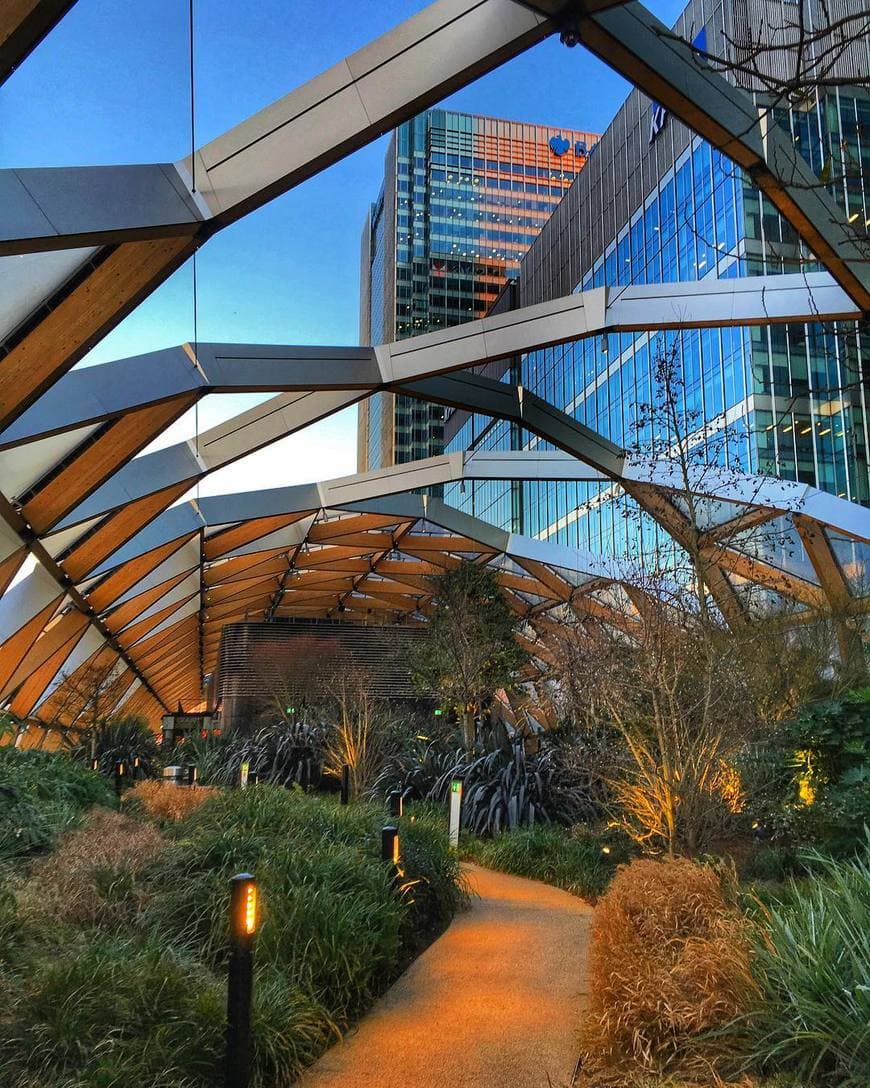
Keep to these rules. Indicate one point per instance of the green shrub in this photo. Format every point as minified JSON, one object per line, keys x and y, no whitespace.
{"x":131,"y":990}
{"x":434,"y":888}
{"x":41,"y":795}
{"x":121,"y":740}
{"x":270,"y":811}
{"x":290,"y":1029}
{"x":774,"y":863}
{"x":329,"y":913}
{"x":810,"y":781}
{"x":573,"y":860}
{"x":112,"y":1012}
{"x":812,"y":965}
{"x":503,"y":786}
{"x":329,"y":916}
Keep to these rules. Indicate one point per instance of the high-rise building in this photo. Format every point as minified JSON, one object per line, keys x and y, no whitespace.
{"x":463,"y":198}
{"x":657,"y":204}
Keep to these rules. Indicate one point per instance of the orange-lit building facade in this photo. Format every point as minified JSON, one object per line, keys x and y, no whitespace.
{"x":463,"y":199}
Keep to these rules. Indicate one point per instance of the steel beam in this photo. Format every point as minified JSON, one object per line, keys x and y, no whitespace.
{"x":23,"y":25}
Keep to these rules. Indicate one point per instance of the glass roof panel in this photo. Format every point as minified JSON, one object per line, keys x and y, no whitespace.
{"x":854,"y":559}
{"x":777,"y":543}
{"x":709,"y":513}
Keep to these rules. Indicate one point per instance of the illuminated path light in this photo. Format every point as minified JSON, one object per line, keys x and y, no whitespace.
{"x":244,"y":918}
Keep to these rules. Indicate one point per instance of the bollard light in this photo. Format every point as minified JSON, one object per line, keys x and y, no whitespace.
{"x":244,"y":772}
{"x":191,"y":776}
{"x":243,"y":906}
{"x":119,"y":777}
{"x":390,"y":844}
{"x":396,"y":803}
{"x":244,"y":909}
{"x":345,"y":784}
{"x":455,"y":812}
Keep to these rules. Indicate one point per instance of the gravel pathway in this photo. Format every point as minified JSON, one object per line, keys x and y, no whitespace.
{"x":494,"y":1003}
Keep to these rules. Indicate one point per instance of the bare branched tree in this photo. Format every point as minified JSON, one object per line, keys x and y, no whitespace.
{"x":689,"y":671}
{"x":364,"y":734}
{"x":684,"y":695}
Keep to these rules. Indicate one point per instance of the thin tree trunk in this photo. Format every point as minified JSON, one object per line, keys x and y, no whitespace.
{"x":468,"y":734}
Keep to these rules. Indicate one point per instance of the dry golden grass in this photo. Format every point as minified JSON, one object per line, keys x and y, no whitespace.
{"x":669,"y":960}
{"x":609,"y":1078}
{"x":90,"y":876}
{"x":168,"y":803}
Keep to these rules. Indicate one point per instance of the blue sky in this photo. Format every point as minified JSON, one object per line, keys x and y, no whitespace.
{"x":110,"y":85}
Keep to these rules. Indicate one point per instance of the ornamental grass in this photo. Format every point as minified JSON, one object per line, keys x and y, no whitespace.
{"x":167,"y":803}
{"x":91,"y":876}
{"x":669,"y":963}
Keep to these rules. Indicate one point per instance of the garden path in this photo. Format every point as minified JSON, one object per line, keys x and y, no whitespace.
{"x":493,"y":1003}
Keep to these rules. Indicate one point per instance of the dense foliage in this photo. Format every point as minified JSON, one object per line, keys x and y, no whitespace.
{"x":469,"y":651}
{"x":41,"y":795}
{"x":579,"y":861}
{"x":284,"y":753}
{"x":118,"y":975}
{"x":503,"y":786}
{"x":351,"y":729}
{"x":120,"y":740}
{"x":811,"y":966}
{"x":815,"y":772}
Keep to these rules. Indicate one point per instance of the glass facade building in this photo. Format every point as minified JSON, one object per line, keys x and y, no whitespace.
{"x":657,"y":204}
{"x":463,"y":199}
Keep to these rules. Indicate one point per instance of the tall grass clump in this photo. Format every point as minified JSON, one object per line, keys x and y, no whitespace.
{"x":434,"y":889}
{"x":669,"y":963}
{"x":92,"y":875}
{"x":165,"y":802}
{"x":811,"y":966}
{"x":573,"y":860}
{"x":112,"y":1011}
{"x":42,"y":794}
{"x":120,"y":740}
{"x":331,"y":918}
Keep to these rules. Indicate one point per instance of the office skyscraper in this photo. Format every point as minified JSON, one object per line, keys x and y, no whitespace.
{"x":657,"y":204}
{"x":463,"y":199}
